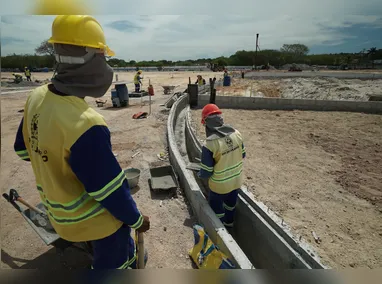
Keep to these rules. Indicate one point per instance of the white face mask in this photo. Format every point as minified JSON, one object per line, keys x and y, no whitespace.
{"x":90,"y":52}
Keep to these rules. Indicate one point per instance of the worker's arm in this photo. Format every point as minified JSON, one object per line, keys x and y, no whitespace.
{"x":95,"y":165}
{"x":207,"y":163}
{"x":243,"y":150}
{"x":19,"y":144}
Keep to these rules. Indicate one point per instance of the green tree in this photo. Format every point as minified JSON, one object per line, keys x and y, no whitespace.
{"x":45,"y":48}
{"x":297,"y":51}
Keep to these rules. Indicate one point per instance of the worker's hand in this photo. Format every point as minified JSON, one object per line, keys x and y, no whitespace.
{"x":145,"y":225}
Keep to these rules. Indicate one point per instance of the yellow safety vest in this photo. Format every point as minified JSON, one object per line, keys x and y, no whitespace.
{"x":27,"y":73}
{"x":228,"y":157}
{"x":200,"y":82}
{"x":52,"y":124}
{"x":136,"y":81}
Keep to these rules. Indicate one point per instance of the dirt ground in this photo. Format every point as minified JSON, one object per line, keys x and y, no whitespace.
{"x":304,"y":88}
{"x":321,"y":172}
{"x":170,"y":236}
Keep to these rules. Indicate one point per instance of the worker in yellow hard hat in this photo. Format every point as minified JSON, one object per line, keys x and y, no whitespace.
{"x":27,"y":73}
{"x":81,"y":184}
{"x":138,"y":81}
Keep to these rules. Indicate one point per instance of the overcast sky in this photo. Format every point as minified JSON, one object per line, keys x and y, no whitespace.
{"x":324,"y":26}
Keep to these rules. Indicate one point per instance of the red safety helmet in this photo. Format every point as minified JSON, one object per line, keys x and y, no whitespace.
{"x":208,"y":110}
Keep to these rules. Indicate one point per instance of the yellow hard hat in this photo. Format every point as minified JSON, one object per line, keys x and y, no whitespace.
{"x":80,"y":30}
{"x":139,"y":71}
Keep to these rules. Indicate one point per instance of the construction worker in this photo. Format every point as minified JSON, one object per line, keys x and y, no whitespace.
{"x":27,"y":73}
{"x":200,"y":81}
{"x":81,"y":184}
{"x":18,"y":78}
{"x":225,"y":73}
{"x":137,"y":81}
{"x":222,"y":163}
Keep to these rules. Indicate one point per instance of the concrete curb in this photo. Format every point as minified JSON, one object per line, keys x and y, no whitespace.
{"x":234,"y":102}
{"x":199,"y":204}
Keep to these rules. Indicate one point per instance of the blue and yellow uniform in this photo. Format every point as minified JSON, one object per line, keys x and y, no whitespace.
{"x":137,"y":81}
{"x":222,"y":164}
{"x":80,"y":182}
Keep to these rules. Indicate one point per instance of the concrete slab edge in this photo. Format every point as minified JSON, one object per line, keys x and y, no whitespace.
{"x":199,"y":204}
{"x":275,"y":222}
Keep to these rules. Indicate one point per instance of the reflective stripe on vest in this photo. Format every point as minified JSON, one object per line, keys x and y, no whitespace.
{"x":228,"y":173}
{"x":66,"y":207}
{"x":109,"y":188}
{"x":23,"y":154}
{"x":70,"y":207}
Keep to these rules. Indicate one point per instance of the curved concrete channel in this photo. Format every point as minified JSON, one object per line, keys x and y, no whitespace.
{"x":260,"y":238}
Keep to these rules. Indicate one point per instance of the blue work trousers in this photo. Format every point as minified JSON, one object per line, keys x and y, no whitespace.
{"x":116,"y":251}
{"x":224,"y":206}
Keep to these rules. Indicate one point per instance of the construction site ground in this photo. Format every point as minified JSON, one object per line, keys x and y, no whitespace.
{"x":319,"y":88}
{"x":301,"y":186}
{"x":321,"y":172}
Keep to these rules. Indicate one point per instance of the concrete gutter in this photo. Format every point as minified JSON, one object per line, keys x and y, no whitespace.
{"x":199,"y":204}
{"x":237,"y":102}
{"x":263,"y":236}
{"x":260,"y":238}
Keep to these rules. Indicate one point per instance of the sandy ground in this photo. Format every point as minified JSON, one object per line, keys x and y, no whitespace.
{"x":304,"y":88}
{"x":171,"y":234}
{"x":321,"y":172}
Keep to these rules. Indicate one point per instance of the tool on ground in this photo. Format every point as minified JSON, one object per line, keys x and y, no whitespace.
{"x":163,"y":179}
{"x":14,"y":196}
{"x":140,"y":250}
{"x":140,"y":115}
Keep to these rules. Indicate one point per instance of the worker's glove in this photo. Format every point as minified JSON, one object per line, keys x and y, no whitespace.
{"x":145,"y":225}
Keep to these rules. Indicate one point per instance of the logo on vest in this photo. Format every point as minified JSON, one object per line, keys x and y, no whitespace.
{"x":33,"y":139}
{"x":230,"y":145}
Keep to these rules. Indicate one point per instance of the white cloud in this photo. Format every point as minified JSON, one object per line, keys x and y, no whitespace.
{"x":218,"y":33}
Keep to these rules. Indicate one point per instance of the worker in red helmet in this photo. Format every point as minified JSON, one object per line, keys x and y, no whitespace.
{"x":222,"y":163}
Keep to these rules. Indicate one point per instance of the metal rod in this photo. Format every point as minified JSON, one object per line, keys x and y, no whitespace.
{"x":150,"y":95}
{"x":257,"y":45}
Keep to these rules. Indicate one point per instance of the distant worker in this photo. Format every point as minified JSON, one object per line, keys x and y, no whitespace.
{"x":225,"y":73}
{"x":200,"y":81}
{"x":18,"y":78}
{"x":81,"y":184}
{"x":222,"y":163}
{"x":242,"y":74}
{"x":27,"y":73}
{"x":138,"y":81}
